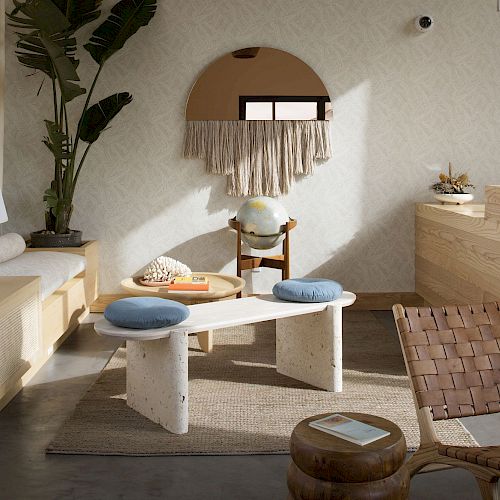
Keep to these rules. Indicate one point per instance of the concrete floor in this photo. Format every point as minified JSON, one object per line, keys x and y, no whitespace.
{"x":29,"y":422}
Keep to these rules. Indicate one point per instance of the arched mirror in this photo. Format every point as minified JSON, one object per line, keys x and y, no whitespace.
{"x":260,"y":116}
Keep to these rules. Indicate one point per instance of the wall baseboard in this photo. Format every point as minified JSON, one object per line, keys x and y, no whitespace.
{"x":364,"y":302}
{"x":384,"y":301}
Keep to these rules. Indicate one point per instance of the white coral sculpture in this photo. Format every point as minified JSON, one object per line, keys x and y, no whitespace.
{"x":164,"y":269}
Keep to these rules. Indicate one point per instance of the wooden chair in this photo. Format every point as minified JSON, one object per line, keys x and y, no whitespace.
{"x":452,"y":356}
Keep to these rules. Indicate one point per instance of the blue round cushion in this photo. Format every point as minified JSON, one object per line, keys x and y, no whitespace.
{"x":144,"y":313}
{"x":308,"y":290}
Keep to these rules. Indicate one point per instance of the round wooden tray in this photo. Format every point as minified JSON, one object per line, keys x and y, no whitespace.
{"x":220,"y":287}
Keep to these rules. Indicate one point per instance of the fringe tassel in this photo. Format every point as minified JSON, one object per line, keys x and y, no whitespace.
{"x":259,"y":157}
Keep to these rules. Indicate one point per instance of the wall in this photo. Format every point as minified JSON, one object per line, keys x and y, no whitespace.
{"x":403,"y":106}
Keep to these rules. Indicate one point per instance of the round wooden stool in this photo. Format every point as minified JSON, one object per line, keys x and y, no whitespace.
{"x":326,"y":467}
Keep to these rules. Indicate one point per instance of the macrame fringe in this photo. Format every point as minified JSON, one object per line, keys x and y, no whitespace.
{"x":260,"y":157}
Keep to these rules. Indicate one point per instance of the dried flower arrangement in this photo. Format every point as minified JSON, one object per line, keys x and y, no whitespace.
{"x":452,"y":185}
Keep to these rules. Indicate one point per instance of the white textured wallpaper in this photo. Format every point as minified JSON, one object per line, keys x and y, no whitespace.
{"x":404,"y":105}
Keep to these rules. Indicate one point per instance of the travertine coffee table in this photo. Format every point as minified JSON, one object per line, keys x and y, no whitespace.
{"x":222,"y":286}
{"x":308,"y":348}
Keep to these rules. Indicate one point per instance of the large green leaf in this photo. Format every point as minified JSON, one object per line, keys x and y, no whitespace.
{"x":41,"y":16}
{"x":58,"y":142}
{"x":64,"y":68}
{"x":126,"y":17}
{"x":58,"y":209}
{"x":33,"y":53}
{"x":98,"y":116}
{"x":79,"y":12}
{"x":50,"y":198}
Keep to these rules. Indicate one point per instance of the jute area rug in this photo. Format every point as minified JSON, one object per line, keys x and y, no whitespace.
{"x":239,"y":404}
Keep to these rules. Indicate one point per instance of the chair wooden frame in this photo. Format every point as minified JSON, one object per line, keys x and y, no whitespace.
{"x":436,"y":333}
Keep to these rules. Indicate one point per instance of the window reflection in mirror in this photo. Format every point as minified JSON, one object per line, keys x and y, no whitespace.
{"x":284,"y":107}
{"x":296,"y":111}
{"x":259,"y":111}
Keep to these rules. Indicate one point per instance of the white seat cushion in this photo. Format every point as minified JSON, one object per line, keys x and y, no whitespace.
{"x":55,"y":268}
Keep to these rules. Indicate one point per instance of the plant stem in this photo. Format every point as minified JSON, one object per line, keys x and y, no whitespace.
{"x":67,"y":177}
{"x":78,"y":130}
{"x":61,"y":114}
{"x":80,"y":167}
{"x":66,"y":130}
{"x":68,"y":10}
{"x":58,"y":163}
{"x":54,"y":94}
{"x":77,"y":139}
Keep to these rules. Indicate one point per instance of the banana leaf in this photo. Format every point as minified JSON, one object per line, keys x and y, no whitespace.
{"x":50,"y":198}
{"x":34,"y":55}
{"x":79,"y":12}
{"x":126,"y":17}
{"x":57,"y":141}
{"x":98,"y":116}
{"x":40,"y":15}
{"x":64,"y":68}
{"x":58,"y":207}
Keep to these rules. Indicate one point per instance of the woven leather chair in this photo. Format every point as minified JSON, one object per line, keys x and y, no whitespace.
{"x":452,"y":356}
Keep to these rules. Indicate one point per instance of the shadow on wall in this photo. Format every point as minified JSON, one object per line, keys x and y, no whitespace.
{"x":210,"y":252}
{"x":218,"y":200}
{"x":206,"y":252}
{"x":374,"y":252}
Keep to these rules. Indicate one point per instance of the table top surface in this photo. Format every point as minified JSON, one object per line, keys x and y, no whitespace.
{"x":226,"y":313}
{"x":325,"y":442}
{"x":220,"y":286}
{"x":475,"y":210}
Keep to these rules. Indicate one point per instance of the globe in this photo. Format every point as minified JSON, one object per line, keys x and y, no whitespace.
{"x":261,"y":220}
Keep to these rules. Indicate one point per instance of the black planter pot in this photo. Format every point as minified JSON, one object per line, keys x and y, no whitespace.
{"x":43,"y":239}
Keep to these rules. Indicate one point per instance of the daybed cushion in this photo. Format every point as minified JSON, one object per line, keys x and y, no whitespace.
{"x":11,"y":245}
{"x":144,"y":313}
{"x":54,"y":268}
{"x":308,"y":290}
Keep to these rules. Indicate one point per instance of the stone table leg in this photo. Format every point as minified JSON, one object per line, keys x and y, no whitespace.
{"x":309,"y":348}
{"x":157,"y":381}
{"x":206,"y":340}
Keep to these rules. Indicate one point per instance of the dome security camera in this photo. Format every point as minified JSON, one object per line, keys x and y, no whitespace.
{"x":424,"y":23}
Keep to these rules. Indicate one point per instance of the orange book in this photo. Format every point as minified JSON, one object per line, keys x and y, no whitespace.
{"x":189,"y":287}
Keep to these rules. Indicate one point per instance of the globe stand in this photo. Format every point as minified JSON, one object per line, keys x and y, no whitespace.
{"x":245,"y":262}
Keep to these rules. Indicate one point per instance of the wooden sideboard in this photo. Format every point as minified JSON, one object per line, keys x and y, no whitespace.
{"x":457,"y":251}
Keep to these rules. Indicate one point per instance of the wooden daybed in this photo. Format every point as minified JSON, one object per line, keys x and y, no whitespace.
{"x":35,"y":320}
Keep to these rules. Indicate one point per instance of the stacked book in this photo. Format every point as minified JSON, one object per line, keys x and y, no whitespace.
{"x":189,"y":284}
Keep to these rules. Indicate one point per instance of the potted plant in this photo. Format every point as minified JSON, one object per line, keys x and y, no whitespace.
{"x":452,"y":189}
{"x":47,"y":44}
